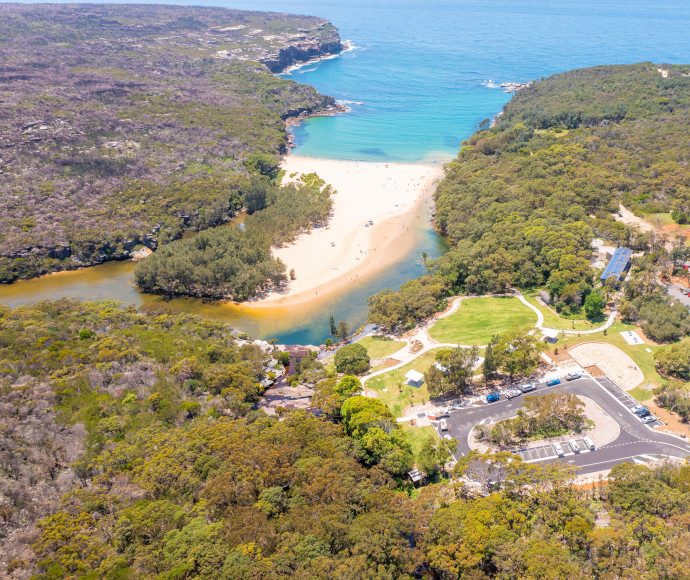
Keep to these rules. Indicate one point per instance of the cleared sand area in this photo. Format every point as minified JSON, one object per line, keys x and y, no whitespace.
{"x":329,"y":258}
{"x":615,"y":364}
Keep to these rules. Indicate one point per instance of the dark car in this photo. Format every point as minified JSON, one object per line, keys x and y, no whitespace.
{"x":641,"y":411}
{"x":492,"y":397}
{"x":643,"y":414}
{"x":552,"y":382}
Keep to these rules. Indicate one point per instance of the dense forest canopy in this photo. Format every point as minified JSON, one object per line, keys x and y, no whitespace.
{"x":124,"y":125}
{"x":129,"y":449}
{"x":235,"y":262}
{"x":524,"y":199}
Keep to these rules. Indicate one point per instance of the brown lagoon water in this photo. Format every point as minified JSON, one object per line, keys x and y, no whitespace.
{"x":301,"y":324}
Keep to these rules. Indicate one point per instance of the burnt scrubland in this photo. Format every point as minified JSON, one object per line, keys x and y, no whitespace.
{"x":129,"y":449}
{"x":125,"y":125}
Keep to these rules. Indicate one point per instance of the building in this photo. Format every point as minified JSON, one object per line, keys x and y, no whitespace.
{"x":415,"y":378}
{"x":618,"y":266}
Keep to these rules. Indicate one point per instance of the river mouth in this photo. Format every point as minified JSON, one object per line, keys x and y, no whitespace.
{"x":305,"y":323}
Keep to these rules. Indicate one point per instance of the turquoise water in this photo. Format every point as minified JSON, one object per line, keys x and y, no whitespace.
{"x":418,"y":78}
{"x":418,"y":82}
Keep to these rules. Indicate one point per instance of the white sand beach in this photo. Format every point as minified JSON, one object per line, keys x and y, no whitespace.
{"x":346,"y":250}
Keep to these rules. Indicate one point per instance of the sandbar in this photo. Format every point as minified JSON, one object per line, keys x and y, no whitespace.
{"x":369,"y":229}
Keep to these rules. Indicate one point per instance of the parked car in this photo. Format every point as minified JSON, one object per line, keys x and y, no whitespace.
{"x":572,"y":376}
{"x":644,"y":414}
{"x":589,"y":443}
{"x":559,"y":449}
{"x":492,"y":397}
{"x":448,"y":437}
{"x":444,"y":425}
{"x":637,"y":408}
{"x":512,"y":393}
{"x":552,"y":382}
{"x":574,"y":446}
{"x":649,"y":419}
{"x":528,"y":387}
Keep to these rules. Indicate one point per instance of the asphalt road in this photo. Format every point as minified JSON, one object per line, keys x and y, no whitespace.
{"x":636,"y":440}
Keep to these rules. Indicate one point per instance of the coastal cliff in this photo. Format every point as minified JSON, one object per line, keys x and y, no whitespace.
{"x":139,"y":122}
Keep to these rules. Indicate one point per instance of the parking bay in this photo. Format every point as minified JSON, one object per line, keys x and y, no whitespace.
{"x":635,"y":439}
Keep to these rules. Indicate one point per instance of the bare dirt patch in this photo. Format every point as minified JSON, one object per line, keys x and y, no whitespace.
{"x":672,"y":423}
{"x":615,"y":364}
{"x":595,"y":371}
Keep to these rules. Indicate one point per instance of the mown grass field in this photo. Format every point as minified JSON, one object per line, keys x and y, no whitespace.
{"x":392,"y":390}
{"x":553,"y":320}
{"x":380,"y":346}
{"x":478,"y":319}
{"x":417,"y":436}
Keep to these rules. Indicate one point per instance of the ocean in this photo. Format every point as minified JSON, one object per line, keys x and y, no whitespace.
{"x":422,"y":75}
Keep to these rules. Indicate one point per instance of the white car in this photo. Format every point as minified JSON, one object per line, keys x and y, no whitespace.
{"x":649,"y":419}
{"x":636,"y":409}
{"x":589,"y":443}
{"x":574,"y":446}
{"x":512,"y":393}
{"x":444,"y":425}
{"x":528,"y":387}
{"x":571,"y":376}
{"x":559,"y":449}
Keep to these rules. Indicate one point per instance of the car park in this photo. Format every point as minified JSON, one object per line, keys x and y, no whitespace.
{"x":552,"y":382}
{"x":528,"y":387}
{"x":589,"y":443}
{"x":649,"y":419}
{"x":574,"y":446}
{"x":492,"y":397}
{"x":571,"y":376}
{"x":559,"y":449}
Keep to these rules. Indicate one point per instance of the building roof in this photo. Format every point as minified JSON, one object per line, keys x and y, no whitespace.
{"x":617,"y":265}
{"x":415,"y":376}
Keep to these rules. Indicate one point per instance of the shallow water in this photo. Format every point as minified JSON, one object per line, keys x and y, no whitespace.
{"x":420,"y":78}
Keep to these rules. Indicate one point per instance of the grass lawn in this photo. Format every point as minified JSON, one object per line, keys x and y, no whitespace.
{"x":659,"y":219}
{"x":552,"y":320}
{"x":380,"y":346}
{"x":417,"y":436}
{"x":640,"y":394}
{"x":478,"y":319}
{"x":398,"y":394}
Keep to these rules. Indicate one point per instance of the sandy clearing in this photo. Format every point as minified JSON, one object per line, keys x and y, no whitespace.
{"x":326,"y":259}
{"x":617,"y":365}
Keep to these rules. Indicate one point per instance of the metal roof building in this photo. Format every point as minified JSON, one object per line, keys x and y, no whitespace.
{"x":618,"y":265}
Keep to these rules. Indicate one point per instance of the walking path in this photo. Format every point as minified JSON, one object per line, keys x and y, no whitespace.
{"x":421,"y":335}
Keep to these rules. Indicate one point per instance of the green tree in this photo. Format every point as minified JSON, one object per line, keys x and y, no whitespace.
{"x":333,"y":327}
{"x":352,"y":359}
{"x":343,"y":330}
{"x":594,"y":305}
{"x":517,"y":352}
{"x":489,"y":366}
